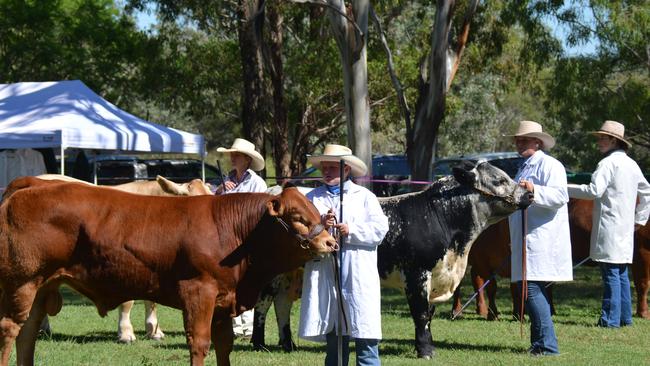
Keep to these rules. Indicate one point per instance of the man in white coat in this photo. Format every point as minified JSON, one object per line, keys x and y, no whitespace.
{"x":362,"y":228}
{"x":615,"y":187}
{"x":548,"y":243}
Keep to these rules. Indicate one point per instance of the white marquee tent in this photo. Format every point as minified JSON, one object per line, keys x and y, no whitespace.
{"x":68,"y":114}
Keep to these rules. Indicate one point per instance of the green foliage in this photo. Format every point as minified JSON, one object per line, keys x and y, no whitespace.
{"x":49,"y":40}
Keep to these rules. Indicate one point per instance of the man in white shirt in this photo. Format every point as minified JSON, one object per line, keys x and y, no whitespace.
{"x":548,"y":243}
{"x":362,"y":228}
{"x":615,"y":187}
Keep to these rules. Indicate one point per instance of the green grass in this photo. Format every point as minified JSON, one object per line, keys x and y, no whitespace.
{"x":81,"y":337}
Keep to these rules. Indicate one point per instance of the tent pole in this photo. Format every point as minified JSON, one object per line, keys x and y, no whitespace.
{"x":62,"y":159}
{"x":205,"y":150}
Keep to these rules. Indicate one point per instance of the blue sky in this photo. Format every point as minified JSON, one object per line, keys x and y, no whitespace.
{"x":147,"y":18}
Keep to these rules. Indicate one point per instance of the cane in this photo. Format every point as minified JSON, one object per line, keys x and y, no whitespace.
{"x":524,"y":282}
{"x":339,"y":344}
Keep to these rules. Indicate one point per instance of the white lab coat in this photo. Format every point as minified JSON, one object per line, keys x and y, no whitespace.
{"x":252,"y":183}
{"x":615,"y":186}
{"x":359,"y":281}
{"x":548,"y":243}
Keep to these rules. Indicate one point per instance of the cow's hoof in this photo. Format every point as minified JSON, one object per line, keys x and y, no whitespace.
{"x":260,"y":347}
{"x":427,"y":356}
{"x":126,"y":338}
{"x":289,"y":347}
{"x":157,"y":336}
{"x":645,"y":315}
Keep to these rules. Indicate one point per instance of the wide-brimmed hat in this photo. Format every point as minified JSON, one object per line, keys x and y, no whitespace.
{"x":336,"y":153}
{"x":247,"y":148}
{"x":534,"y":129}
{"x":614,"y":129}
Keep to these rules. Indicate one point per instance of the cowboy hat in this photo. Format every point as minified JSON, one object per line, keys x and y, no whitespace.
{"x":247,"y":148}
{"x":534,"y":129}
{"x":336,"y":153}
{"x":614,"y":129}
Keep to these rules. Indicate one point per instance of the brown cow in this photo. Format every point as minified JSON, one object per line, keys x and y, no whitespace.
{"x":160,"y":187}
{"x":208,"y":256}
{"x":491,"y":251}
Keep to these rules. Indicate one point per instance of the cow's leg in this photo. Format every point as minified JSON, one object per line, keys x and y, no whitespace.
{"x":641,"y":277}
{"x":491,"y":291}
{"x":516,"y":301}
{"x":48,"y":301}
{"x":198,"y":301}
{"x":45,"y":326}
{"x":457,"y":305}
{"x":125,"y":332}
{"x":259,"y":322}
{"x":283,"y":316}
{"x":15,"y":306}
{"x":478,"y":281}
{"x":151,"y":321}
{"x":418,"y":300}
{"x":222,"y":337}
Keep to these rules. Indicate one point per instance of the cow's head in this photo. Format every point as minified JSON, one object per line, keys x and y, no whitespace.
{"x":301,"y":220}
{"x":500,"y":193}
{"x":196,"y":187}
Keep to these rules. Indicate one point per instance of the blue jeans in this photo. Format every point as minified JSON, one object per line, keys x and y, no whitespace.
{"x":367,"y":351}
{"x":617,"y":298}
{"x":542,"y":333}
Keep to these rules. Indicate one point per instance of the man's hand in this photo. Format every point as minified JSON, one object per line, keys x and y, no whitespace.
{"x":527,"y":185}
{"x":344,"y":230}
{"x":329,"y":219}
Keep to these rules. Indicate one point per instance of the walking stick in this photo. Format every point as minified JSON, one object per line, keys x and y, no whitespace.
{"x":339,"y":344}
{"x":524,"y":282}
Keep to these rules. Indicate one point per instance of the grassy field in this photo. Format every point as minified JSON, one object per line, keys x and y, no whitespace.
{"x":81,"y":337}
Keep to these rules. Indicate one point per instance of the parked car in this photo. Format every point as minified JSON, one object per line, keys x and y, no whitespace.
{"x":116,"y":169}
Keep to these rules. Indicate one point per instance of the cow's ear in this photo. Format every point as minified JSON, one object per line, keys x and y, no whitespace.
{"x":288,"y":184}
{"x":274,"y":207}
{"x":464,"y":172}
{"x":171,"y":187}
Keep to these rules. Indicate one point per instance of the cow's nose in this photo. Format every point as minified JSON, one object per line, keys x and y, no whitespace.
{"x":526,"y":199}
{"x":332,"y":245}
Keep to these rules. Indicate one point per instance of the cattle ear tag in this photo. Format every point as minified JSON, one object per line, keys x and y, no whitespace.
{"x":274,"y":207}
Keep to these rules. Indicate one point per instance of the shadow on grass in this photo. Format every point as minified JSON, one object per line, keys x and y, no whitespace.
{"x":395,"y":347}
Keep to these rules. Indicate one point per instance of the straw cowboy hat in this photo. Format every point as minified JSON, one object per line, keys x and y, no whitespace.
{"x":247,"y":148}
{"x":336,"y":153}
{"x":614,"y":129}
{"x":534,"y":129}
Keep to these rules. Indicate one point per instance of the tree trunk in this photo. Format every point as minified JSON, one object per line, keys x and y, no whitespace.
{"x":280,"y":124}
{"x":250,"y":23}
{"x":351,"y":40}
{"x":430,"y":108}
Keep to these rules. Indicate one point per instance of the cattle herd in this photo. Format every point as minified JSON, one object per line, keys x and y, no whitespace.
{"x":214,"y":257}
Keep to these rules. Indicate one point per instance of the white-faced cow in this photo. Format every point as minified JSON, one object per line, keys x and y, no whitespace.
{"x":431,"y":233}
{"x":208,"y":256}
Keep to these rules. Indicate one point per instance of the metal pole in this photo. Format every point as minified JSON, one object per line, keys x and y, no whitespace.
{"x":341,"y":239}
{"x":524,"y":282}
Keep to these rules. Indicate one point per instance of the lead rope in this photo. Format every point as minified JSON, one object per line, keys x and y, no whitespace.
{"x":524,"y":281}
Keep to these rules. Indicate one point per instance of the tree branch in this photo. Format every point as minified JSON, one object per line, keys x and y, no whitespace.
{"x":397,"y":85}
{"x":462,"y":40}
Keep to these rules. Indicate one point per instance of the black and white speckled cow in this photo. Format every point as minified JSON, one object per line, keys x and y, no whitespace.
{"x":432,"y":231}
